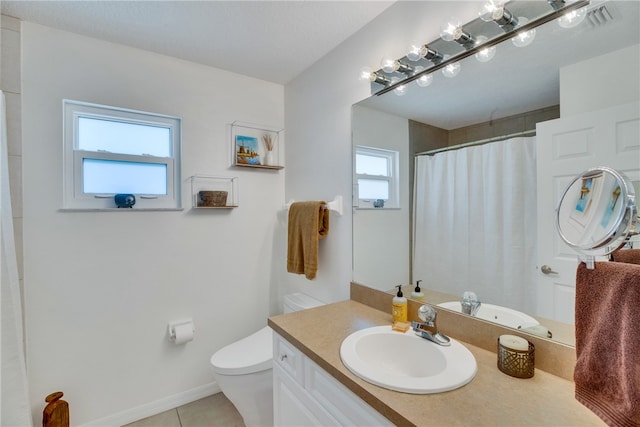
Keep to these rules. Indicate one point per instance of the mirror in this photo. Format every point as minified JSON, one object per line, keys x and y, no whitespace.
{"x":597,"y":212}
{"x":509,"y":94}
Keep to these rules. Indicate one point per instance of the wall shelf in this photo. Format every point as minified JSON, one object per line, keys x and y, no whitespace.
{"x":250,"y":143}
{"x":260,"y":166}
{"x":214,"y":192}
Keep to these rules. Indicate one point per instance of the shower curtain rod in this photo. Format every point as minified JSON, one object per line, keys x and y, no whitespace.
{"x":480,"y":142}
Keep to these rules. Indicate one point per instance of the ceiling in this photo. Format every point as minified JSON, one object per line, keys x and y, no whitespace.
{"x":277,"y":40}
{"x":269,"y":40}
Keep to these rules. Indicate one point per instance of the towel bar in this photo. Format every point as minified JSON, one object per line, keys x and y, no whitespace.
{"x":334,"y":205}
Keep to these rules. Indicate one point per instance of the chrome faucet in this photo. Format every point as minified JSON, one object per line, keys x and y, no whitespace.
{"x":428,"y":328}
{"x":470,"y":303}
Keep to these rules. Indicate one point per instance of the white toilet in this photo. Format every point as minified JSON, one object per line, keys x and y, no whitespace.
{"x":243,"y":369}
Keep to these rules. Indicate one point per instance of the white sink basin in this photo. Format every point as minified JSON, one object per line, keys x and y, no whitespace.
{"x":497,"y":314}
{"x":405,"y":362}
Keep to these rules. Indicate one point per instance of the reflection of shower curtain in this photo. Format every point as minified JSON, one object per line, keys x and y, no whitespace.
{"x":14,"y":403}
{"x":475,"y":222}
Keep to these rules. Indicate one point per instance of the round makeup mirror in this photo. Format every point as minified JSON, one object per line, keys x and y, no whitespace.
{"x":597,"y":212}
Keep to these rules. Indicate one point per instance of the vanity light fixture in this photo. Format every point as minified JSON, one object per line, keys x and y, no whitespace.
{"x":452,"y":31}
{"x":519,"y":30}
{"x":494,"y":10}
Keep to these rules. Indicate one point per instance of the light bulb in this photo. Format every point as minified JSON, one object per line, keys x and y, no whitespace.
{"x":523,"y":38}
{"x":424,"y":80}
{"x":400,"y":90}
{"x":451,"y":70}
{"x":573,"y":18}
{"x":493,"y":10}
{"x":389,"y":65}
{"x":416,"y":51}
{"x":485,"y":54}
{"x":366,"y":74}
{"x":452,"y":30}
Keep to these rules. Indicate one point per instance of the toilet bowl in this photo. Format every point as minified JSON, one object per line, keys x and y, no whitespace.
{"x":243,"y":369}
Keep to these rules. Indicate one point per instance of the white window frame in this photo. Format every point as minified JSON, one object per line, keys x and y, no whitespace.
{"x":73,"y":196}
{"x":393,"y":161}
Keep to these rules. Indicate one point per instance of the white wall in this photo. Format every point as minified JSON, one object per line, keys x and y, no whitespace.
{"x":594,"y":84}
{"x":381,"y":236}
{"x":100,"y":288}
{"x":318,"y":122}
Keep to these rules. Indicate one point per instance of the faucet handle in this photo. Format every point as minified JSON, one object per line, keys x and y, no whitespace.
{"x":426,"y":313}
{"x":469,"y":296}
{"x":470,"y":303}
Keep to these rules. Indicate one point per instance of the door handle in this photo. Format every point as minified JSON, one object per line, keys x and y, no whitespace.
{"x":547,"y":270}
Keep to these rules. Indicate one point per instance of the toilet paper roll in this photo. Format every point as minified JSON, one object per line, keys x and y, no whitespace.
{"x":183,"y":333}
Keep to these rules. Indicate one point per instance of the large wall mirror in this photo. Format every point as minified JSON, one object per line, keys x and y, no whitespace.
{"x":504,"y":98}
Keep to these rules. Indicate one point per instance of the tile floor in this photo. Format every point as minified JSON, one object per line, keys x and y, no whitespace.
{"x":212,"y":411}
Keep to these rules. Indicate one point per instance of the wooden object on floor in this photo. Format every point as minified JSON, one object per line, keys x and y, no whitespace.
{"x":56,"y":413}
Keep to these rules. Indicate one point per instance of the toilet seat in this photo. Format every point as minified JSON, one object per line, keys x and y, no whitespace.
{"x":248,"y":355}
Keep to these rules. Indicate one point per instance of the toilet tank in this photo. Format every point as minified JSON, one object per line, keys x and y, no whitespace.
{"x":299,"y":301}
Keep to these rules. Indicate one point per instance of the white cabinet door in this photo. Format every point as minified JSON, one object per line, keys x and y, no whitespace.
{"x":565,"y":148}
{"x":289,"y":408}
{"x":304,"y":394}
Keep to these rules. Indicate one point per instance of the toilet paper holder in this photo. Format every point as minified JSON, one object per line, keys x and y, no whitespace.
{"x":181,"y":325}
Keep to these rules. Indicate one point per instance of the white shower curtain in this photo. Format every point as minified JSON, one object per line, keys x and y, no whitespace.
{"x":475,"y":222}
{"x":14,"y":399}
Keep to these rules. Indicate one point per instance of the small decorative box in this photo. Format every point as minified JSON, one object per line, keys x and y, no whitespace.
{"x":516,"y":356}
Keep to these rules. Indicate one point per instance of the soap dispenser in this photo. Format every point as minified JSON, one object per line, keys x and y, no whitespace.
{"x":417,"y":294}
{"x":399,"y":306}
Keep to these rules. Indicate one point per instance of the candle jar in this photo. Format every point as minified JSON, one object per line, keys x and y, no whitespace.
{"x":516,"y":363}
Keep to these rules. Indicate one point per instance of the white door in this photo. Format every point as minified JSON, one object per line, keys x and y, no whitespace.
{"x":565,"y":148}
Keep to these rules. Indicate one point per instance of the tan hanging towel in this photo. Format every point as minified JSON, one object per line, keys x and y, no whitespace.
{"x":308,"y":222}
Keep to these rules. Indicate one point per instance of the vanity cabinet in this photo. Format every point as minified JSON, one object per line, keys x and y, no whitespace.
{"x":306,"y":395}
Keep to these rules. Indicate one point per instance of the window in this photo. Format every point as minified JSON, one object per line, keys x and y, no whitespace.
{"x":376,"y":176}
{"x":109,"y":151}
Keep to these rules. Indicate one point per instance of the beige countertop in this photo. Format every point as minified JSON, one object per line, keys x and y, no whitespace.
{"x":490,"y":399}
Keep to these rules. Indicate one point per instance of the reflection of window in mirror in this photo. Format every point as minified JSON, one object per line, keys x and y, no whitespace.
{"x":377,"y":178}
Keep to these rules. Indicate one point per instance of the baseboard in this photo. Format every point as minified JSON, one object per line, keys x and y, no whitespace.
{"x":156,"y":407}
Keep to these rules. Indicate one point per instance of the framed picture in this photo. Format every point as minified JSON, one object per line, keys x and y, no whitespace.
{"x":587,"y":200}
{"x":255,"y":146}
{"x":612,"y":204}
{"x":247,"y":150}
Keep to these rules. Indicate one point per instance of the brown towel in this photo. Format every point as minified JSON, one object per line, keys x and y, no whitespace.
{"x":308,"y":222}
{"x":607,"y":373}
{"x":631,"y":256}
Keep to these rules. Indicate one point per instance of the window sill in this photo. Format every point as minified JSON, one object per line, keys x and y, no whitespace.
{"x":121,"y":210}
{"x":378,"y":209}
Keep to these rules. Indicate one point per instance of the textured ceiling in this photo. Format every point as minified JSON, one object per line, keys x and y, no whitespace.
{"x":269,"y":40}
